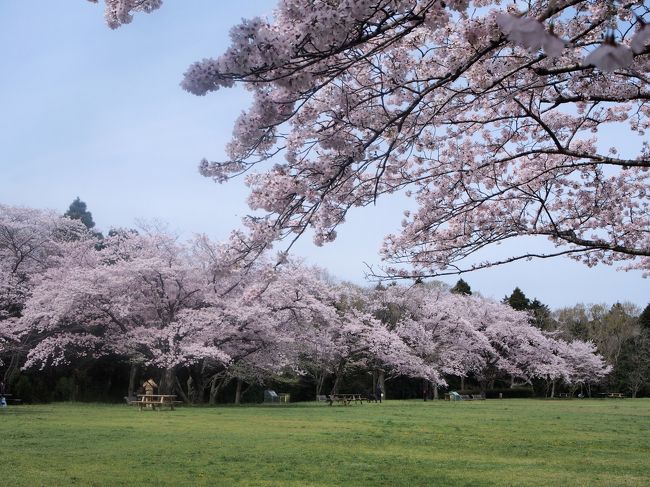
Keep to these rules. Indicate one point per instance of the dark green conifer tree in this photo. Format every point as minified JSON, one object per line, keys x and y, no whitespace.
{"x":542,"y":315}
{"x":517,"y":300}
{"x":462,"y":287}
{"x":79,"y":211}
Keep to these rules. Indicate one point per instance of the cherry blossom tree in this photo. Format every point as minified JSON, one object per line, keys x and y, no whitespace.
{"x":487,"y":115}
{"x":125,"y":298}
{"x":585,"y":365}
{"x":156,"y":302}
{"x":464,"y":336}
{"x":289,"y":321}
{"x":147,"y":298}
{"x":31,"y":242}
{"x":431,"y":321}
{"x":256,"y":325}
{"x":362,"y":340}
{"x":523,"y":351}
{"x":119,"y":12}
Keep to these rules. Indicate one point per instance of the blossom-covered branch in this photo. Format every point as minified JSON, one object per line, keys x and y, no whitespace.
{"x":459,"y":110}
{"x":488,"y":118}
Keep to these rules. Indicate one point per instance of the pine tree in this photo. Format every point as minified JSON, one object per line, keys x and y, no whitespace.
{"x":517,"y":300}
{"x":541,"y":314}
{"x":462,"y":287}
{"x":78,"y":211}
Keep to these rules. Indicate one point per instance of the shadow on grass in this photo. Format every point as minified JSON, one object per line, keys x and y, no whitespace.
{"x":293,"y":405}
{"x":24,"y":411}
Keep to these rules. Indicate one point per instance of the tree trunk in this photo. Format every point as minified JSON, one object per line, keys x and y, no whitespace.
{"x":335,"y":386}
{"x":483,"y":386}
{"x":167,"y":382}
{"x":109,"y":384}
{"x":75,"y":385}
{"x":133,"y":373}
{"x":195,"y":388}
{"x":199,"y":383}
{"x":216,"y":386}
{"x":12,"y":369}
{"x":382,"y":383}
{"x":238,"y":391}
{"x":552,"y":388}
{"x":337,"y":377}
{"x":435,"y":392}
{"x":462,"y":382}
{"x":214,"y":390}
{"x":320,"y":380}
{"x":201,"y":386}
{"x":192,"y":393}
{"x":179,"y":390}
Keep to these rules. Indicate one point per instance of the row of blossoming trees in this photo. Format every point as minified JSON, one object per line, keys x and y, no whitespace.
{"x":144,"y":298}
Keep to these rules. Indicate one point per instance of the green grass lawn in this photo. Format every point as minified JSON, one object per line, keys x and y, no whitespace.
{"x":409,"y":443}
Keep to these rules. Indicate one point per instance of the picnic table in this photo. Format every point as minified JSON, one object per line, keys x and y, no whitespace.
{"x":346,"y":399}
{"x":617,"y":395}
{"x":154,"y":401}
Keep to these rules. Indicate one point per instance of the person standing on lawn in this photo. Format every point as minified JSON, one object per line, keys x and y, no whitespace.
{"x":149,"y":387}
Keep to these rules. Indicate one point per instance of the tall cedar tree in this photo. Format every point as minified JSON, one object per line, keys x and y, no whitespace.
{"x":462,"y":287}
{"x":542,"y":315}
{"x":517,"y":300}
{"x":78,"y":211}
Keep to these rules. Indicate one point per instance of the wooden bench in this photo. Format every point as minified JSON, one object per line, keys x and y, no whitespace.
{"x":564,"y":395}
{"x":155,"y":401}
{"x":346,"y":399}
{"x":616,"y":395}
{"x":612,"y":395}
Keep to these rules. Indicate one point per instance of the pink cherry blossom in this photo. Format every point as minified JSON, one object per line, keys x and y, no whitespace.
{"x":429,"y":99}
{"x":610,"y":56}
{"x":530,"y":34}
{"x":490,"y":143}
{"x":119,"y":12}
{"x":151,"y":299}
{"x":31,"y":243}
{"x":640,"y":39}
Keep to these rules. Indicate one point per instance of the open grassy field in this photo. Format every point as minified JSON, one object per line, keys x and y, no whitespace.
{"x":399,"y":443}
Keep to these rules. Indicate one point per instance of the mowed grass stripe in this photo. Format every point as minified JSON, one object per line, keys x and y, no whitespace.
{"x":508,"y":442}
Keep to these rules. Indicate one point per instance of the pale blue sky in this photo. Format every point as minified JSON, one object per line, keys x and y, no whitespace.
{"x":90,"y":112}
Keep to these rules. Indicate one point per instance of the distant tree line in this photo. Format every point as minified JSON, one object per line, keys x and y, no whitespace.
{"x":621,"y":334}
{"x":88,"y":317}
